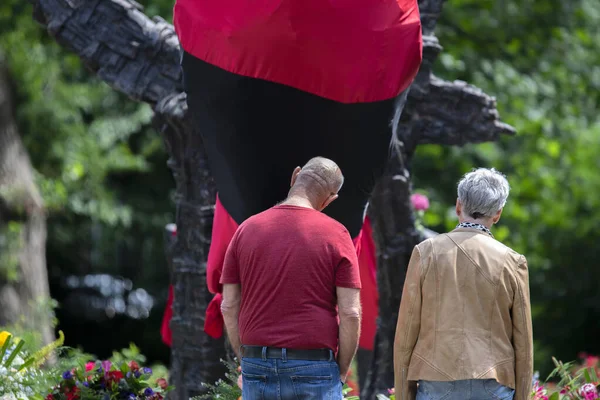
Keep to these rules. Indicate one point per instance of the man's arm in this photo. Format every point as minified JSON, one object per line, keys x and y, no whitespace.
{"x":230,"y":307}
{"x":349,"y":331}
{"x":407,"y":329}
{"x":522,"y":333}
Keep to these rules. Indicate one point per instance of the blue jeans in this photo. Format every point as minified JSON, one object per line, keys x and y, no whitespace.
{"x":281,"y":379}
{"x":472,"y":389}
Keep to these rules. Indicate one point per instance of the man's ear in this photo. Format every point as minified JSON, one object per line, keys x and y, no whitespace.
{"x":328,"y":201}
{"x":458,"y":208}
{"x":295,"y":175}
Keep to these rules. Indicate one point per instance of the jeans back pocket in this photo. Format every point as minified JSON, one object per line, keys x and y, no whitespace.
{"x":435,"y":390}
{"x":498,"y":391}
{"x":315,"y":387}
{"x":253,"y":386}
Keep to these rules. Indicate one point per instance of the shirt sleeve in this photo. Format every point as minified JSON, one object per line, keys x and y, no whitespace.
{"x":522,"y":333}
{"x":231,"y":268}
{"x":347,"y":274}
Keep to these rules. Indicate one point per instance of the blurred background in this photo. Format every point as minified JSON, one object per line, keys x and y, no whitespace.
{"x":101,"y":170}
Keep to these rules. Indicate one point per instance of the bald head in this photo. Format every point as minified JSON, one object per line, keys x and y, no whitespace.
{"x":319,"y":181}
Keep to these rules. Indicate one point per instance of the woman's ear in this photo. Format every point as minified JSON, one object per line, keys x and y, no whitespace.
{"x":496,"y":217}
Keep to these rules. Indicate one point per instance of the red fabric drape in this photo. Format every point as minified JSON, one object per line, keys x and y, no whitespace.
{"x":355,"y":51}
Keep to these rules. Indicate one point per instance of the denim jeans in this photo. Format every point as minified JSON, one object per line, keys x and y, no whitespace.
{"x":281,"y":379}
{"x":472,"y":389}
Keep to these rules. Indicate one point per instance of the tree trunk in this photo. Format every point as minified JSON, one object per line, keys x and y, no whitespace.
{"x":195,"y":356}
{"x":24,"y":290}
{"x":140,"y":57}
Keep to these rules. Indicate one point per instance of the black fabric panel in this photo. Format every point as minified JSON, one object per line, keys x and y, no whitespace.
{"x":256,"y":132}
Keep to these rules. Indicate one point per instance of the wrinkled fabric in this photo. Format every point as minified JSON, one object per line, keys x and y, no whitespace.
{"x":346,"y":51}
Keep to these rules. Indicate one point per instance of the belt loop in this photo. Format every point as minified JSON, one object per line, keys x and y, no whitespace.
{"x":330,"y":355}
{"x":264,"y":353}
{"x":284,"y":354}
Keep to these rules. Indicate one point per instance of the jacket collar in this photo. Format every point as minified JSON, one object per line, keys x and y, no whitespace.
{"x":481,"y":229}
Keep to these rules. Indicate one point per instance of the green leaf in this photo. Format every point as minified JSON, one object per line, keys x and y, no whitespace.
{"x":14,"y":354}
{"x":588,"y":378}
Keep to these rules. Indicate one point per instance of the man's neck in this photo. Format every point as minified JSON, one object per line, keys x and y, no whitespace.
{"x":297,"y":201}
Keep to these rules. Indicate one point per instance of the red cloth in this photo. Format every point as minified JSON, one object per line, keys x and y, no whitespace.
{"x":223,"y":229}
{"x":165,"y":329}
{"x":348,"y":51}
{"x":369,"y":297}
{"x":289,"y":260}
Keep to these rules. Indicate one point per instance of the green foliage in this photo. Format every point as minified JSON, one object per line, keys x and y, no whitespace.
{"x":99,"y":165}
{"x":575,"y":381}
{"x":20,"y":375}
{"x":225,"y":389}
{"x":10,"y":246}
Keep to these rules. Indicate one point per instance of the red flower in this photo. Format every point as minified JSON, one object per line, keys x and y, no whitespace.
{"x":49,"y":397}
{"x":73,"y":395}
{"x":133,"y":366}
{"x":115,"y":376}
{"x":162,"y":382}
{"x":89,"y":366}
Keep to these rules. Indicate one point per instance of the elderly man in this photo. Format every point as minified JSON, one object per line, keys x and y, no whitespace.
{"x":464,"y":327}
{"x":285,"y":272}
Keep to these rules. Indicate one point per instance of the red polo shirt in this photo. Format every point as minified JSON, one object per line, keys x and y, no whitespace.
{"x":350,"y":51}
{"x":289,"y":261}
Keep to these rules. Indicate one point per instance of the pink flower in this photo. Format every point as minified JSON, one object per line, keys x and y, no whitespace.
{"x":419,"y":202}
{"x":89,"y":366}
{"x":106,"y":367}
{"x":591,"y":361}
{"x":162,"y":382}
{"x":392,"y":391}
{"x":539,"y":392}
{"x":134,"y":366}
{"x":589,"y":391}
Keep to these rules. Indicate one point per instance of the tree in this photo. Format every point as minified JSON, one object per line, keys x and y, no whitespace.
{"x":100,"y":168}
{"x":24,"y":292}
{"x":140,"y":57}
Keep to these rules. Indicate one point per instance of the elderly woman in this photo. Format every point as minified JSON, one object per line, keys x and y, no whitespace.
{"x":464,"y":326}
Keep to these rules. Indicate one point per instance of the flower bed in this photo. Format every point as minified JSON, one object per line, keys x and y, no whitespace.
{"x":23,"y":376}
{"x":104,"y":380}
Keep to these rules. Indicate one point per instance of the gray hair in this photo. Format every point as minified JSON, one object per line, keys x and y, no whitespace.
{"x":483,"y":192}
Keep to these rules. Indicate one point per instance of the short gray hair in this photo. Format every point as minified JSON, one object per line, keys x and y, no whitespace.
{"x":483,"y":192}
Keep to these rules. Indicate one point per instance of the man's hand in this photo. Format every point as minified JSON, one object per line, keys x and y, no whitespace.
{"x":343,"y":377}
{"x":350,"y":313}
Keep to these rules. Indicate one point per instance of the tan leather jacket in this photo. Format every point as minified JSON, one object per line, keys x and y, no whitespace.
{"x":465,"y":314}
